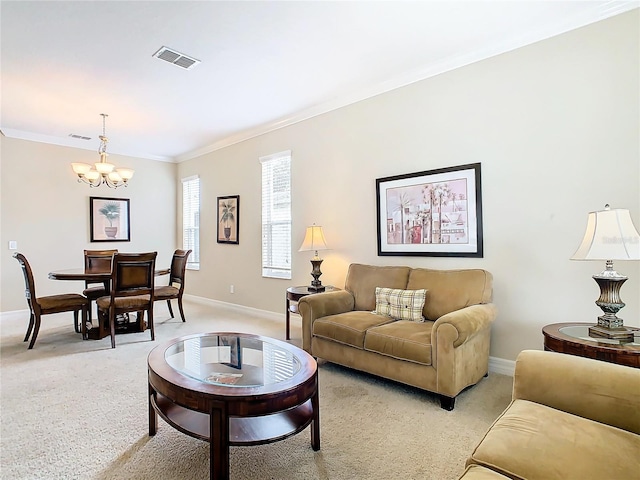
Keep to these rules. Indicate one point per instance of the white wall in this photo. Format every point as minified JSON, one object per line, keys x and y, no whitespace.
{"x":46,"y":211}
{"x":556,"y":128}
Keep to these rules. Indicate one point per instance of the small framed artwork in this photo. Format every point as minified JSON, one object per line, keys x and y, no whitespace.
{"x":437,"y":213}
{"x":109,"y":219}
{"x":235,"y":353}
{"x":229,"y":219}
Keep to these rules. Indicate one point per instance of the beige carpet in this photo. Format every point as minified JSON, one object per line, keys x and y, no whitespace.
{"x":73,"y":409}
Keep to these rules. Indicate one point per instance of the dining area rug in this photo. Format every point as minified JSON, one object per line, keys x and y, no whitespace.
{"x":74,"y":409}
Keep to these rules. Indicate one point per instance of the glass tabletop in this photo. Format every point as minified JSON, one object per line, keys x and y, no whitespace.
{"x":232,"y":360}
{"x":582,"y":332}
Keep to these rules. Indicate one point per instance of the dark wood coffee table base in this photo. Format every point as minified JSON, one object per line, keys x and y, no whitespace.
{"x":242,"y":431}
{"x":231,"y":416}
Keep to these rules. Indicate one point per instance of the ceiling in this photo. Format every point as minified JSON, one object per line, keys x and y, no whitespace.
{"x":264,"y":64}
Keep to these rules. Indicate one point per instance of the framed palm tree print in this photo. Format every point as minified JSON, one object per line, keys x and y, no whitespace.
{"x":229,"y":219}
{"x":109,"y":219}
{"x":436,"y":213}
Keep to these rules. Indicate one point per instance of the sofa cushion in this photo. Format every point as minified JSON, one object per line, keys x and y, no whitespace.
{"x":556,"y":445}
{"x":362,"y":281}
{"x":404,"y":339}
{"x":400,"y":304}
{"x":478,"y":472}
{"x":450,"y":290}
{"x":348,"y":328}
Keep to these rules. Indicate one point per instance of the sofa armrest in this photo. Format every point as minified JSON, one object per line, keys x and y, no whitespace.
{"x":466,"y":321}
{"x":320,"y":305}
{"x":601,"y":391}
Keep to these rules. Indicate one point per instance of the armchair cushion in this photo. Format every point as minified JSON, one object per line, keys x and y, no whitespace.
{"x":478,"y":472}
{"x":559,"y":442}
{"x":400,"y":304}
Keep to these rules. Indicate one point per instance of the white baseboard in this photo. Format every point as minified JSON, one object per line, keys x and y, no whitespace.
{"x":502,"y":366}
{"x":496,"y":365}
{"x":14,"y":314}
{"x":238,"y":308}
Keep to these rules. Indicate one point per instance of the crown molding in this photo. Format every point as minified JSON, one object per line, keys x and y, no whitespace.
{"x":76,"y":143}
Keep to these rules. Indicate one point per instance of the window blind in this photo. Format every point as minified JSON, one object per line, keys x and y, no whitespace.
{"x":278,"y":365}
{"x":191,"y":220}
{"x":276,"y":215}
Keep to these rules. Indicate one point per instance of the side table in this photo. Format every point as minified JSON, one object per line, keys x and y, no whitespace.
{"x":294,"y":294}
{"x":574,"y":339}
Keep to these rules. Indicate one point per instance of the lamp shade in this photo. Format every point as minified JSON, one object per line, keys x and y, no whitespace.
{"x":80,"y":168}
{"x":610,"y":235}
{"x":314,"y":239}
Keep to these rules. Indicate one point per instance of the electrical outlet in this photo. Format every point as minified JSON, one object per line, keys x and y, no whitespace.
{"x":13,"y":245}
{"x":231,"y":289}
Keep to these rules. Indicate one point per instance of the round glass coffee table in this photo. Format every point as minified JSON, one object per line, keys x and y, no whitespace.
{"x":233,"y":389}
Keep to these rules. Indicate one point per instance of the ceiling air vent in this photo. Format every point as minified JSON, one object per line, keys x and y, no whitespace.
{"x":177,"y":58}
{"x":79,"y":137}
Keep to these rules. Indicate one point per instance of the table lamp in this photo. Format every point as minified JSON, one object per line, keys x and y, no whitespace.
{"x":314,"y":241}
{"x":610,"y":236}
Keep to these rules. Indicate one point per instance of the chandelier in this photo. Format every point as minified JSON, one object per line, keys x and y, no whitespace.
{"x":104,"y":173}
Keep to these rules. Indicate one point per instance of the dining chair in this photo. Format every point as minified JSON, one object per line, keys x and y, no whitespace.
{"x":132,"y":282}
{"x":96,"y":261}
{"x":175,"y":289}
{"x":38,"y":306}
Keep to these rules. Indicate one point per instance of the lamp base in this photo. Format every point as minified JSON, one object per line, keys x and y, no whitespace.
{"x":316,"y":284}
{"x":624,"y":334}
{"x":609,"y":325}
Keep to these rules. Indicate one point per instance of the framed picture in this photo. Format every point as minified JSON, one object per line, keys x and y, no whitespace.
{"x":109,"y":219}
{"x":229,"y":219}
{"x":437,"y":213}
{"x":235,"y":353}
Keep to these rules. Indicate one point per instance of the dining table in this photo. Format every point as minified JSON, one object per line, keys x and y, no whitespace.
{"x":123,"y":323}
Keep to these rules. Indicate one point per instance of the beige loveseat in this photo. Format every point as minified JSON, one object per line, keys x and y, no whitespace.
{"x":444,"y":354}
{"x":571,"y":418}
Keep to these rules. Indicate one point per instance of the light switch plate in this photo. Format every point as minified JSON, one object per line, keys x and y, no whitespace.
{"x":13,"y":245}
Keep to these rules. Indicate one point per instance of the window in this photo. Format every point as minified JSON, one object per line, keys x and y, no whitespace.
{"x":191,"y":220}
{"x":276,"y":215}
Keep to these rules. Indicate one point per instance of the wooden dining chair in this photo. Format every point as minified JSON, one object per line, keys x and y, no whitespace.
{"x":38,"y":306}
{"x":175,"y":289}
{"x":132,"y":282}
{"x":97,"y":261}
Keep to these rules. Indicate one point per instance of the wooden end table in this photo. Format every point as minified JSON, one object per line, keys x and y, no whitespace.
{"x":233,"y":389}
{"x":294,"y":294}
{"x":574,"y":339}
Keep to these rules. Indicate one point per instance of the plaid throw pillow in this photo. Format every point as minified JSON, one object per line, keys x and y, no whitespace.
{"x":400,"y":304}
